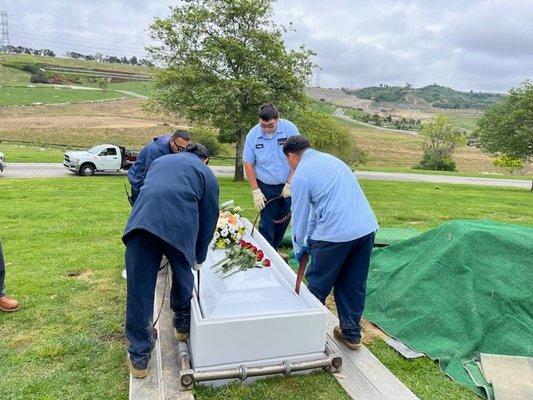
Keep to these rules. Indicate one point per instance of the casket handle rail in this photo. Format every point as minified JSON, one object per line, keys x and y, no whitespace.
{"x":330,"y":361}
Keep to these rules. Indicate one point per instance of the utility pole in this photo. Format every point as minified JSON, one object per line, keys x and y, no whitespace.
{"x":4,"y":32}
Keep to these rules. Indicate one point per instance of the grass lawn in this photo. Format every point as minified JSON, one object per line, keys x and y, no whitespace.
{"x":22,"y":95}
{"x":61,"y":239}
{"x":21,"y":153}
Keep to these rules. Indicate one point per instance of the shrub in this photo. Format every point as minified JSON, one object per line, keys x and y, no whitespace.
{"x":208,"y":137}
{"x":429,"y":161}
{"x":328,"y":135}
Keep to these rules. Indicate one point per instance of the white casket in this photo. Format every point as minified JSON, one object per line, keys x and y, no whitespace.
{"x":255,"y":317}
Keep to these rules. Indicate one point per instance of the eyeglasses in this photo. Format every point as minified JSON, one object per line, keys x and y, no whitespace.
{"x":268,"y":126}
{"x":180,"y":148}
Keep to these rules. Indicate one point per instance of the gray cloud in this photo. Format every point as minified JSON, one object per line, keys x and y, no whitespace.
{"x":479,"y":44}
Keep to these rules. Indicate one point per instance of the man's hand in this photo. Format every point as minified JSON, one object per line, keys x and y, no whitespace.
{"x":259,"y":199}
{"x":286,"y":192}
{"x":301,"y":253}
{"x":197,"y":266}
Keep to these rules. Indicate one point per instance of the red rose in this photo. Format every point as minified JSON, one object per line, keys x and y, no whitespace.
{"x":266,"y":262}
{"x":260,"y":255}
{"x":254,"y":249}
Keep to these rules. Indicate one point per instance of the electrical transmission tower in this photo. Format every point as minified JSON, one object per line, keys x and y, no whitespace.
{"x":4,"y":31}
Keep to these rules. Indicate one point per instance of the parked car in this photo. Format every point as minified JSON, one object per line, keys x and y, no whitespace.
{"x":3,"y":164}
{"x":103,"y":157}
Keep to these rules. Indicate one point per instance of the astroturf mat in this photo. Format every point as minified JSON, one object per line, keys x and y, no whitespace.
{"x":456,"y":291}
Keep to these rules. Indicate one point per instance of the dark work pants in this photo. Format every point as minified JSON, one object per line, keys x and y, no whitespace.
{"x":144,"y":252}
{"x":2,"y":271}
{"x":343,"y":267}
{"x":276,"y":210}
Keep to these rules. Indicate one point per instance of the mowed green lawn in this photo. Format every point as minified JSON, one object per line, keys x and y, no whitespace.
{"x":61,"y":239}
{"x":23,"y":95}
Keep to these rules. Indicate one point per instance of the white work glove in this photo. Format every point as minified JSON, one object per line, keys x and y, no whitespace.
{"x":197,"y":266}
{"x":286,"y":192}
{"x":259,"y":199}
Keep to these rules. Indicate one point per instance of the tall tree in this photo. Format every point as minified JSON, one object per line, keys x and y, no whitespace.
{"x":506,"y":129}
{"x":224,"y":58}
{"x":440,"y":141}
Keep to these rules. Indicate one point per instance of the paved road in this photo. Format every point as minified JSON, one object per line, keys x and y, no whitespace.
{"x":51,"y":170}
{"x":54,"y":170}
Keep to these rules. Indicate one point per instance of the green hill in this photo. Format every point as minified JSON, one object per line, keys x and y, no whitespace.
{"x":21,"y":69}
{"x":434,"y":95}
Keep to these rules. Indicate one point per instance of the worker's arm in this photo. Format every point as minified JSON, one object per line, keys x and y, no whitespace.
{"x":250,"y":175}
{"x":208,"y":211}
{"x":300,"y":208}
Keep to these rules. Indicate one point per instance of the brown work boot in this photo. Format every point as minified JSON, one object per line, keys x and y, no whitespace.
{"x":181,"y":336}
{"x":351,"y":344}
{"x":8,"y":304}
{"x":138,"y":373}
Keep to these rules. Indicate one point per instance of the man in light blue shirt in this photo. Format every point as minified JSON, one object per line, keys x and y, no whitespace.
{"x":334,"y":223}
{"x":268,"y":171}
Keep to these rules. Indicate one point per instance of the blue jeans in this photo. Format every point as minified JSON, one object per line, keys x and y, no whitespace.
{"x":343,"y":267}
{"x":2,"y":271}
{"x":276,"y":210}
{"x":144,"y":252}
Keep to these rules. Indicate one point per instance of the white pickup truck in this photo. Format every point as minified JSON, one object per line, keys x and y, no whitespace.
{"x":2,"y":162}
{"x":103,"y":157}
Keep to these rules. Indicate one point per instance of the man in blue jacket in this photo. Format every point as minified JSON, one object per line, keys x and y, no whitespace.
{"x":160,"y":146}
{"x":333,"y":222}
{"x":175,"y":215}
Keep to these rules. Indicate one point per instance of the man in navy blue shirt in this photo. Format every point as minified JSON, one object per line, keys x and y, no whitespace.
{"x":334,"y":223}
{"x":268,"y":171}
{"x":160,"y":146}
{"x":175,"y":215}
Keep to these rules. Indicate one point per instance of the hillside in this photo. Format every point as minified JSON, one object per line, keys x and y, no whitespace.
{"x":433,"y":95}
{"x":21,"y":69}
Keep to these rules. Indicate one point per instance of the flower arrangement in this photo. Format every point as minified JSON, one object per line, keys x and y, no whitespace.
{"x":241,"y":257}
{"x":229,"y":229}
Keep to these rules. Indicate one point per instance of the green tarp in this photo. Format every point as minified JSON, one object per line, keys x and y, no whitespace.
{"x":455,"y":291}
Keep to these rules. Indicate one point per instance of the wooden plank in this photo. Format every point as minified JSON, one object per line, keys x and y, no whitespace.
{"x":378,"y":376}
{"x":162,"y":382}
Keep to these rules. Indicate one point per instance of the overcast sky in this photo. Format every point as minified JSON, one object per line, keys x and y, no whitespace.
{"x":468,"y":44}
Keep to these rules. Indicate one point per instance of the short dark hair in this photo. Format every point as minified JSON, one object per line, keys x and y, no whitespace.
{"x":296,"y":145}
{"x":199,"y":149}
{"x":268,"y":111}
{"x":180,"y":133}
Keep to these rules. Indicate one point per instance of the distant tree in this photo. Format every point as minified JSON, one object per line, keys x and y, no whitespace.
{"x":224,"y":58}
{"x":440,"y":141}
{"x":99,"y":57}
{"x":124,"y":60}
{"x":133,"y":60}
{"x":377,"y":119}
{"x":506,"y":129}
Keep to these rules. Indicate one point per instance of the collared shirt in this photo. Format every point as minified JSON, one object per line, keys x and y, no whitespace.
{"x":266,"y":153}
{"x":327,"y":202}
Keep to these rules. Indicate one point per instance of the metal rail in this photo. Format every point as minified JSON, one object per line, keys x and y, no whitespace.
{"x":188,"y":376}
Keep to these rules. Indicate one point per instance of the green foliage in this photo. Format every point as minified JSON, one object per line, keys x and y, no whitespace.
{"x":223,"y":59}
{"x":438,"y":96}
{"x":440,"y":141}
{"x":510,"y":164}
{"x":208,"y":137}
{"x":431,"y":162}
{"x":327,"y":135}
{"x":507,"y":128}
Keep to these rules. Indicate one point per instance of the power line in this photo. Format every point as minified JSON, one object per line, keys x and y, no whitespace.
{"x":4,"y":31}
